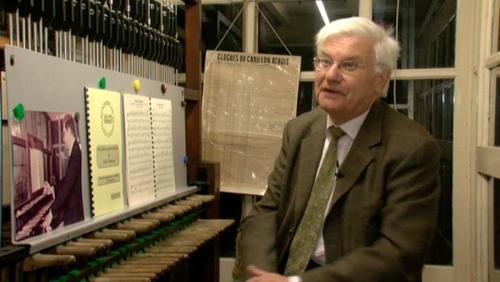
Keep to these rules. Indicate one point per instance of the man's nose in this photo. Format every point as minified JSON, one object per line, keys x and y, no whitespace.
{"x":333,"y":73}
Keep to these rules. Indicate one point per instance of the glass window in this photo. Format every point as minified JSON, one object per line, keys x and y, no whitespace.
{"x":426,"y":31}
{"x":305,"y":99}
{"x":497,"y":110}
{"x":496,"y":223}
{"x":434,"y":103}
{"x":296,"y":23}
{"x":401,"y":92}
{"x":216,"y":20}
{"x":20,"y":174}
{"x":431,"y":103}
{"x":496,"y":31}
{"x":3,"y":24}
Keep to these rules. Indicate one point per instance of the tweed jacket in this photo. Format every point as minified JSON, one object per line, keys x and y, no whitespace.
{"x":384,"y":205}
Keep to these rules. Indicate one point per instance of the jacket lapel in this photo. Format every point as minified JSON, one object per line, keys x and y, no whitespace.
{"x":308,"y":160}
{"x":360,"y":154}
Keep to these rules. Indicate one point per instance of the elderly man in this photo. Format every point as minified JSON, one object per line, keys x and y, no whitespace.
{"x":354,"y":191}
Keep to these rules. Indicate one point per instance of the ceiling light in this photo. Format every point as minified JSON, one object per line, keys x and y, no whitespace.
{"x":322,"y":11}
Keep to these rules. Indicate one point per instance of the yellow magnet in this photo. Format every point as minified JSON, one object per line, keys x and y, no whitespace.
{"x":137,"y":85}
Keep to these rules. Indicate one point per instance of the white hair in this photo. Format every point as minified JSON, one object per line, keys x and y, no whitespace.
{"x":386,"y":47}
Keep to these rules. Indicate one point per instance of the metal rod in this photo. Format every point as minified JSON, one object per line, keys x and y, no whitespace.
{"x":28,"y":23}
{"x":35,"y":36}
{"x":11,"y":29}
{"x":41,"y":32}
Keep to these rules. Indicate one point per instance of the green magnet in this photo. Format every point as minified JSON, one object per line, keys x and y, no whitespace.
{"x":102,"y":83}
{"x":18,"y":112}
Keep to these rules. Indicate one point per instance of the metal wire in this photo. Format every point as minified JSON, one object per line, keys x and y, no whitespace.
{"x":272,"y":28}
{"x":396,"y":67}
{"x":231,"y":25}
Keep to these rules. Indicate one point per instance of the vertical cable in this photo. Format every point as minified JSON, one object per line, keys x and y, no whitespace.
{"x":396,"y":67}
{"x":231,"y":25}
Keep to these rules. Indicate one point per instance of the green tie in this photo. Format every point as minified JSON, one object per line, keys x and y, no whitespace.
{"x":307,"y":233}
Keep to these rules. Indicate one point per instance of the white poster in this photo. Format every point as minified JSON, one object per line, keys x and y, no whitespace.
{"x":247,"y":99}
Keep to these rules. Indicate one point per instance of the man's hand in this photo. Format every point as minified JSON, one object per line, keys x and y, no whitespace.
{"x":47,"y":189}
{"x":46,"y":222}
{"x":259,"y":275}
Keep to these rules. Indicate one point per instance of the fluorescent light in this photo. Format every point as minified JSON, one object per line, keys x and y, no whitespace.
{"x":322,"y":11}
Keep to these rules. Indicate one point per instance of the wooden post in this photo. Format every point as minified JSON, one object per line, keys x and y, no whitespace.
{"x":205,"y":262}
{"x":193,"y":82}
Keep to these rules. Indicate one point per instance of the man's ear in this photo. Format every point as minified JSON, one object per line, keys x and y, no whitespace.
{"x":382,"y":80}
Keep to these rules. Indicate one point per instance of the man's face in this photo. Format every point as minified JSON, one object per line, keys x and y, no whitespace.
{"x":347,"y":92}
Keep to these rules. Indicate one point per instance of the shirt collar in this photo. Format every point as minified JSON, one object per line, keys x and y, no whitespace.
{"x":351,"y":127}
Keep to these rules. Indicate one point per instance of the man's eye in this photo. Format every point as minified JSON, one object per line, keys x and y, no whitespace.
{"x":349,"y":65}
{"x":325,"y":63}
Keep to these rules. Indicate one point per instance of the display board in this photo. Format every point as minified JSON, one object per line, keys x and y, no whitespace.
{"x":247,"y":99}
{"x":48,"y":91}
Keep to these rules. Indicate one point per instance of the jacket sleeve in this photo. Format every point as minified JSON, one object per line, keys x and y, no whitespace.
{"x":255,"y":242}
{"x":406,"y":227}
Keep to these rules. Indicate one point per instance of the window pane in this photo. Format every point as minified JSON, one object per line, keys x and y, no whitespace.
{"x":401,"y":94}
{"x":305,"y":98}
{"x":216,"y":20}
{"x":497,"y":112}
{"x":496,"y":222}
{"x":496,"y":30}
{"x":430,"y":102}
{"x":296,"y":23}
{"x":426,"y":30}
{"x":434,"y":103}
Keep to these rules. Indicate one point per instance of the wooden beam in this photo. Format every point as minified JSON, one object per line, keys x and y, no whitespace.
{"x":193,"y":81}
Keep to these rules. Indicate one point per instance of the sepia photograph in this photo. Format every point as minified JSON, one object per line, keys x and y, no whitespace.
{"x":47,"y":166}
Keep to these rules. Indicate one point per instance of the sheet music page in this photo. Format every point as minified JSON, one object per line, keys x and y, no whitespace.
{"x":138,"y":149}
{"x":161,"y":111}
{"x":105,"y":147}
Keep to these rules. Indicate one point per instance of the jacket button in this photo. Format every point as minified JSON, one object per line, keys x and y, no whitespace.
{"x":290,"y":232}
